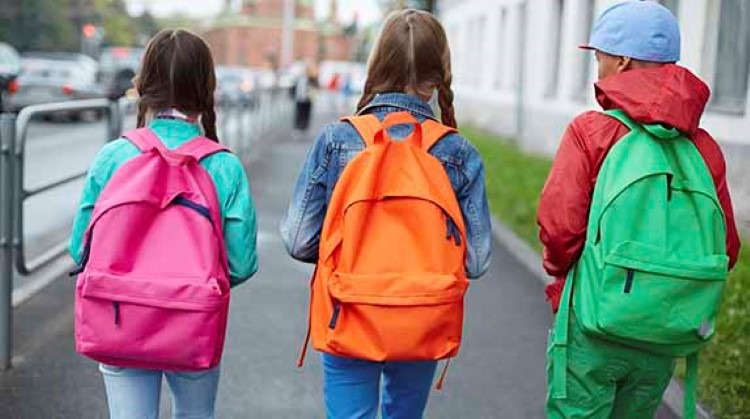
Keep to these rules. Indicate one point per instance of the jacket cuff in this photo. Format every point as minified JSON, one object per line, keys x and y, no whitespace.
{"x":554,"y":293}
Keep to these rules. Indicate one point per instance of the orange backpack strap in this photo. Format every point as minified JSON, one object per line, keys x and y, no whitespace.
{"x":432,"y":132}
{"x":366,"y":125}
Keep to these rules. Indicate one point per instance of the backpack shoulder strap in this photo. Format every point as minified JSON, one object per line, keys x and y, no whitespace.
{"x":621,"y":116}
{"x":201,"y":147}
{"x":432,"y":132}
{"x":144,"y":139}
{"x":366,"y":125}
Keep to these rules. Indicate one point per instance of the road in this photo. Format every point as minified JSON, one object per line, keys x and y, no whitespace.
{"x":499,"y":374}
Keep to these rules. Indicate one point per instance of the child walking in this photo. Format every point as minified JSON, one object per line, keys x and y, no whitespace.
{"x":165,"y":227}
{"x":637,"y":226}
{"x":395,"y":227}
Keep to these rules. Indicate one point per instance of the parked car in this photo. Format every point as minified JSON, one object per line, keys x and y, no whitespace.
{"x":10,"y":68}
{"x":55,"y":77}
{"x":89,"y":63}
{"x":116,"y":62}
{"x":234,"y":86}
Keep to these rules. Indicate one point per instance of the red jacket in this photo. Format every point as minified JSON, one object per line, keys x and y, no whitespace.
{"x":669,"y":95}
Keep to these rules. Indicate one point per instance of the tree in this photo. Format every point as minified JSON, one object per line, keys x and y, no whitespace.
{"x":119,"y":26}
{"x":40,"y":25}
{"x":147,"y":25}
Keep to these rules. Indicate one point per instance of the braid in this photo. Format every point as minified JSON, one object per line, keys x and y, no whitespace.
{"x":208,"y":119}
{"x":141,"y":121}
{"x":445,"y":100}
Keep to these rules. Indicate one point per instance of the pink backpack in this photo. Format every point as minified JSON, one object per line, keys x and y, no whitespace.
{"x":153,"y":289}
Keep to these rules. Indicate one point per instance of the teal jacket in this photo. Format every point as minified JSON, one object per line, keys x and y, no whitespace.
{"x":227,"y":172}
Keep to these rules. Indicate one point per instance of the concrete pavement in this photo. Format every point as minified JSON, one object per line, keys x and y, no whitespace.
{"x":499,"y":374}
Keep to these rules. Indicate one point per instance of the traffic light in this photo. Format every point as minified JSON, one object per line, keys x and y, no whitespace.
{"x":88,"y":30}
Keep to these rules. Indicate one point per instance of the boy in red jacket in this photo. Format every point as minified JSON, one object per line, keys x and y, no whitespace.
{"x":636,"y":45}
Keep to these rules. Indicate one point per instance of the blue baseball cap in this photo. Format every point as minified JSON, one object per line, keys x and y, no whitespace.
{"x":640,"y":29}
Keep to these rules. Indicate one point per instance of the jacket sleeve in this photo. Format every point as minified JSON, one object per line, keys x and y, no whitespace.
{"x":303,"y":221}
{"x":563,"y":209}
{"x":100,"y":171}
{"x":240,"y":225}
{"x":714,"y":159}
{"x":472,"y":198}
{"x":84,"y":211}
{"x":733,"y":238}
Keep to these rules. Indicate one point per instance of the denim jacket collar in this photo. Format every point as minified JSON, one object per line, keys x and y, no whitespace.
{"x":400,"y":101}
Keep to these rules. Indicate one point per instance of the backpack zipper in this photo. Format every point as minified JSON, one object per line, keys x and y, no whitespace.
{"x":84,"y":257}
{"x":335,"y":315}
{"x":200,"y":209}
{"x":629,"y":281}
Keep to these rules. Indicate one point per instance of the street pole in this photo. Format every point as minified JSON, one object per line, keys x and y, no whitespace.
{"x":7,"y":183}
{"x":287,"y":34}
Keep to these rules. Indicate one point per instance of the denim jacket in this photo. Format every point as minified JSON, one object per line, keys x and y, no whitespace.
{"x":339,"y":142}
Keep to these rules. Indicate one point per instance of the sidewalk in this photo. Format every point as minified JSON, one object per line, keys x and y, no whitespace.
{"x":499,"y":374}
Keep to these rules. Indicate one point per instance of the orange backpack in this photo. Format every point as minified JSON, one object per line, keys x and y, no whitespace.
{"x":390,"y":280}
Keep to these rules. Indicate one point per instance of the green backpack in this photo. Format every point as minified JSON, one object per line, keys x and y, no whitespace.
{"x":654,"y":265}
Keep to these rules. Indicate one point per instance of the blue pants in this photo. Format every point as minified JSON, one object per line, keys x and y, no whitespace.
{"x":352,"y":388}
{"x":134,"y":393}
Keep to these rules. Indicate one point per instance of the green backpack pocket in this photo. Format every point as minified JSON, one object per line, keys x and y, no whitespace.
{"x":660,"y":302}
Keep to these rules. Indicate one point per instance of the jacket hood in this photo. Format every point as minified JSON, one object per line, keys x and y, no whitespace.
{"x":669,"y":95}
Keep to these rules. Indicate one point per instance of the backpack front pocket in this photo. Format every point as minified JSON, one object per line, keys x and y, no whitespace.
{"x":650,"y":296}
{"x":128,"y":321}
{"x":397,"y":317}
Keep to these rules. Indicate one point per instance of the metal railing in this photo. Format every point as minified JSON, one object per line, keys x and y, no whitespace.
{"x":21,"y":194}
{"x":267,"y":109}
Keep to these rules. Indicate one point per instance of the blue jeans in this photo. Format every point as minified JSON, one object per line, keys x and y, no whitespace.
{"x":134,"y":393}
{"x":352,"y":388}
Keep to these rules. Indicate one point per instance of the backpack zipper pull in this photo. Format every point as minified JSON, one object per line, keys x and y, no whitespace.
{"x":629,"y":281}
{"x":116,"y":306}
{"x":335,"y":316}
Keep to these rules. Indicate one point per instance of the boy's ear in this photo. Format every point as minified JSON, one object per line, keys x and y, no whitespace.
{"x":624,"y":64}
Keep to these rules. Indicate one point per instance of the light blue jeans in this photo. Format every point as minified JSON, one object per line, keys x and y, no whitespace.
{"x":352,"y":388}
{"x":134,"y":393}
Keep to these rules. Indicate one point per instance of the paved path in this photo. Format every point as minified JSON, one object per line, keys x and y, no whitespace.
{"x":499,"y":374}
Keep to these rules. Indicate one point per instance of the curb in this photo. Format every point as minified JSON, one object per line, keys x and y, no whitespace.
{"x":529,"y":258}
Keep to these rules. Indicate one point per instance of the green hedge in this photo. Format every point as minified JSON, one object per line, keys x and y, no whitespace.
{"x":514,"y":181}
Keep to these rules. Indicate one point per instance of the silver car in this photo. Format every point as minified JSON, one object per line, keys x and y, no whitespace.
{"x":46,"y":80}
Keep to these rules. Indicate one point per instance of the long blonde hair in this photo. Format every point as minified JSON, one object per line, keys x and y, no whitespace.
{"x":411,"y":53}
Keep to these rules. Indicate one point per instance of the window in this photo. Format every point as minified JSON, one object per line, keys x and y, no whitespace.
{"x":480,"y":64}
{"x":584,"y":81}
{"x":502,"y":44}
{"x":476,"y":66}
{"x":454,"y":37}
{"x":732,"y":57}
{"x":556,"y":24}
{"x":466,"y":53}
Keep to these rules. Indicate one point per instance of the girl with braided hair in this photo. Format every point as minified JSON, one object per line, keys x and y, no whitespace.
{"x":176,"y":86}
{"x":410,"y":64}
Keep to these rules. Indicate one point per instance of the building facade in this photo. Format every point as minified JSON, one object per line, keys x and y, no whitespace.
{"x":518,"y":71}
{"x":249,"y":33}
